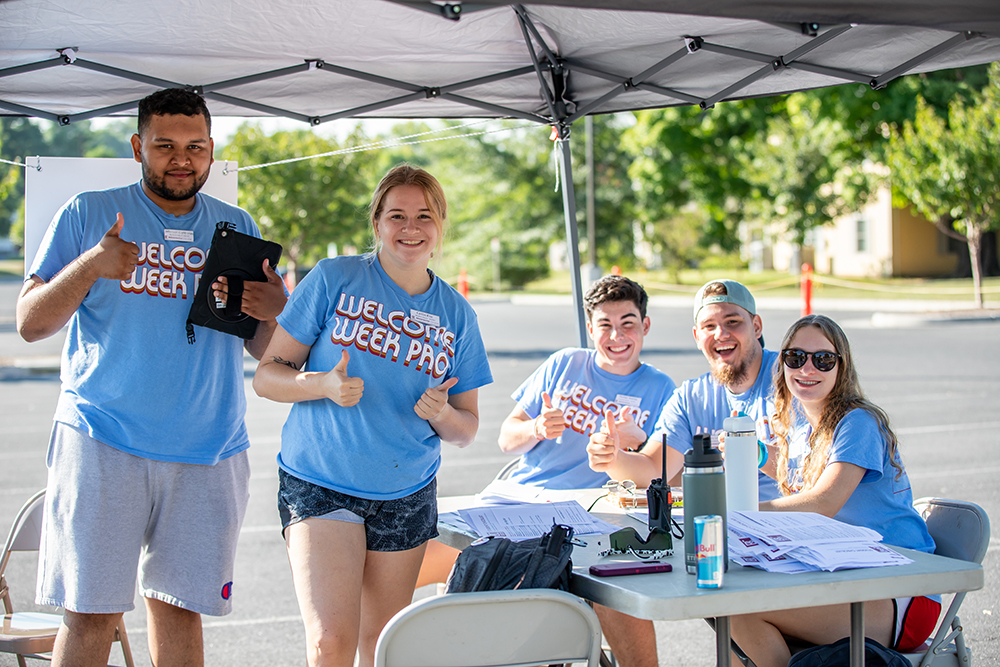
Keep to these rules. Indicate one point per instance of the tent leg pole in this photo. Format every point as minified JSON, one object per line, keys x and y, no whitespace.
{"x":572,"y":236}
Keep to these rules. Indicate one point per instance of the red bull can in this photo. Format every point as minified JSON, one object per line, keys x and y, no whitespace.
{"x":709,"y":540}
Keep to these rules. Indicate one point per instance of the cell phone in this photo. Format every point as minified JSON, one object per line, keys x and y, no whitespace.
{"x":619,"y":569}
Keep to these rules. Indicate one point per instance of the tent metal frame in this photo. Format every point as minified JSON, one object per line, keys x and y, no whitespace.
{"x":551,"y":70}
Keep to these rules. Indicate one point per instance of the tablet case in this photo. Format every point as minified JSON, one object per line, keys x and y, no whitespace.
{"x":239,"y":257}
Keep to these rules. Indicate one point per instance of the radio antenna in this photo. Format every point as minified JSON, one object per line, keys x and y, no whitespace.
{"x":663,"y":454}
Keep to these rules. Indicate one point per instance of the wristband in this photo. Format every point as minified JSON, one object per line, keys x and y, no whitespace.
{"x":761,"y":454}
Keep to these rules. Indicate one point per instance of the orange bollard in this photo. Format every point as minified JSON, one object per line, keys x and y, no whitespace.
{"x":463,"y":283}
{"x":807,"y":289}
{"x":616,"y":270}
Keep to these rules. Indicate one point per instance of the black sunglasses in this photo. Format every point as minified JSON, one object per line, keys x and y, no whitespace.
{"x":823,"y":361}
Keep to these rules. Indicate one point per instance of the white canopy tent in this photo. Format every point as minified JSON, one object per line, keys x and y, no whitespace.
{"x":321,"y":60}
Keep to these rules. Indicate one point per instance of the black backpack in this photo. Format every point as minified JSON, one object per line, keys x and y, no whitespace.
{"x":838,"y":654}
{"x":498,"y":564}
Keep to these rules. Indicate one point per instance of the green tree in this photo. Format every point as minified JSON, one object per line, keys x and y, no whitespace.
{"x":614,"y":197}
{"x":309,"y":204}
{"x":948,"y":167}
{"x":677,"y":241}
{"x":869,"y":115}
{"x":800,"y":159}
{"x":803,"y":170}
{"x":498,"y":186}
{"x":689,"y":166}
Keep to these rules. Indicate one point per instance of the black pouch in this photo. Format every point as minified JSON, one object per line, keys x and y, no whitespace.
{"x":498,"y":564}
{"x":239,"y":257}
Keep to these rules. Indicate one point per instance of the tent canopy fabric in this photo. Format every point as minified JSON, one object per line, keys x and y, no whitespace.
{"x":317,"y":61}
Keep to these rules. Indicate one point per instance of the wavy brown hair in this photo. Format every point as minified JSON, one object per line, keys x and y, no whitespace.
{"x":845,"y":396}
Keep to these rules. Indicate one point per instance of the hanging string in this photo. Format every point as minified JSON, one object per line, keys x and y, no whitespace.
{"x":390,"y":143}
{"x":376,"y":145}
{"x":21,"y":164}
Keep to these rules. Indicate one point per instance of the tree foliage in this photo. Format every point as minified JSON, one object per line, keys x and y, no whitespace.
{"x":795,"y":162}
{"x":803,"y":171}
{"x":686,"y":178}
{"x":947,"y":166}
{"x":614,"y":196}
{"x":23,"y":137}
{"x":308,"y":204}
{"x":497,"y":185}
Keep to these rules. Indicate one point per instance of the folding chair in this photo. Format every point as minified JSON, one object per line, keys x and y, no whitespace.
{"x":32,"y":634}
{"x":960,"y":530}
{"x":492,"y":629}
{"x":508,"y":468}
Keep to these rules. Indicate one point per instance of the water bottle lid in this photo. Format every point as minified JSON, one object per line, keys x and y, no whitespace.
{"x":702,"y":454}
{"x":740,"y":424}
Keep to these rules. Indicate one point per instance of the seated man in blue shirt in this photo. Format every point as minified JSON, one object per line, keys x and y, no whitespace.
{"x":567,"y":400}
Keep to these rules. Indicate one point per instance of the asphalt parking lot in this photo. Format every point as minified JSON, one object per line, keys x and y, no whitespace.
{"x":939,"y":381}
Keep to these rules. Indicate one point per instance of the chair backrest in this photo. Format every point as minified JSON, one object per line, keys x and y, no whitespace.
{"x":490,"y":629}
{"x":26,"y":531}
{"x":508,"y":468}
{"x":960,"y":529}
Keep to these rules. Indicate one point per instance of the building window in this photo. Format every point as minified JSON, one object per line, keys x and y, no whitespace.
{"x":862,"y":235}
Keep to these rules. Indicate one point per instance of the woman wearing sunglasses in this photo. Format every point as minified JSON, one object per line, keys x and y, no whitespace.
{"x":837,"y":456}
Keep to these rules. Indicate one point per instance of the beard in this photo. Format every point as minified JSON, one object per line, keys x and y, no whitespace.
{"x":158,"y":186}
{"x":729,"y":375}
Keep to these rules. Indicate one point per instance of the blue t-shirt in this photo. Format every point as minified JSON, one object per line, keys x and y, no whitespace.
{"x":702,"y":405}
{"x":583,"y":391}
{"x":881,"y":501}
{"x":400,"y":345}
{"x":129,"y":376}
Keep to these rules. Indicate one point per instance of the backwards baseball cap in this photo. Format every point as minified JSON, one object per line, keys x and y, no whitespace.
{"x":735,"y":294}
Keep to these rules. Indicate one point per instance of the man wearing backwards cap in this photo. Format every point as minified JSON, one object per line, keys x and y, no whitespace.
{"x":728,"y":331}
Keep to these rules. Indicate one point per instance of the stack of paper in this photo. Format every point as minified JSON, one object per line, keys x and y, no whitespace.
{"x":794,"y":542}
{"x":526,"y":520}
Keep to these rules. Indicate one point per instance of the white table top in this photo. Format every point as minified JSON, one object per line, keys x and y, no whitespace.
{"x":675,"y":596}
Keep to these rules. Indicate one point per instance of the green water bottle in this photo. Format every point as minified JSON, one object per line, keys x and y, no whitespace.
{"x":704,"y":483}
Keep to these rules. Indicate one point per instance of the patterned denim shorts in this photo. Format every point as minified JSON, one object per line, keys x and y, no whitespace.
{"x":390,"y":525}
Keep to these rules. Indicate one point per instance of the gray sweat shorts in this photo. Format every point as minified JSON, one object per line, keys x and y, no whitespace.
{"x":109,"y":515}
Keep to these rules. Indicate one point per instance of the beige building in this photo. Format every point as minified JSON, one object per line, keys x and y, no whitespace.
{"x":878,"y":241}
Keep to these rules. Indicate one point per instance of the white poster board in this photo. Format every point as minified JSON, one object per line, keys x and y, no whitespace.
{"x":58,"y":179}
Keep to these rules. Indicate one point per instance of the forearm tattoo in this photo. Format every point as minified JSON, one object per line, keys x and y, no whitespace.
{"x":290,"y":364}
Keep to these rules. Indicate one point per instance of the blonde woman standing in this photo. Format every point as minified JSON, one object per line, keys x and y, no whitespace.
{"x":382,"y":361}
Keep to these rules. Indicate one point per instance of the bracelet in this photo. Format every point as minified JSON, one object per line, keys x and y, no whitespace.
{"x":534,"y":430}
{"x":761,"y":454}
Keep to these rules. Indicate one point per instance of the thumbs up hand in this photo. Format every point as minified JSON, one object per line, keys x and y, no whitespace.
{"x":630,"y":436}
{"x":602,"y":450}
{"x":550,"y":423}
{"x":434,"y":399}
{"x":115,"y":258}
{"x":341,"y":388}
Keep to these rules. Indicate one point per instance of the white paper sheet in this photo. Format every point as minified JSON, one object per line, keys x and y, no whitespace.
{"x":527,"y":520}
{"x":506,"y":492}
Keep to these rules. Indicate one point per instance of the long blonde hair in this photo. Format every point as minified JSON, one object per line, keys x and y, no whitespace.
{"x":845,"y":396}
